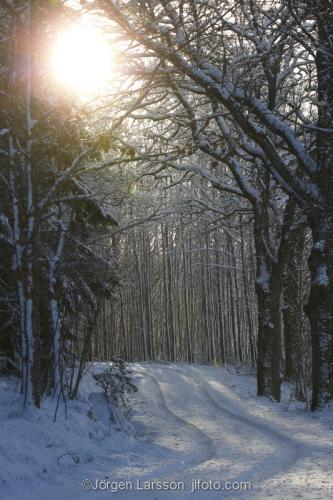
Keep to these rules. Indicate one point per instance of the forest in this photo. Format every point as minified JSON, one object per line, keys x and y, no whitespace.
{"x":166,"y":196}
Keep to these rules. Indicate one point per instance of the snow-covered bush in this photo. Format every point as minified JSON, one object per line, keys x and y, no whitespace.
{"x":117,"y":385}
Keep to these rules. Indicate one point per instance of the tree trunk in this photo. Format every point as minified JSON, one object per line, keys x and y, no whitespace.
{"x":320,"y":306}
{"x":320,"y":309}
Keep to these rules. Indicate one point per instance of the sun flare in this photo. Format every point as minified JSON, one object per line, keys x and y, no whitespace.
{"x":82,"y":61}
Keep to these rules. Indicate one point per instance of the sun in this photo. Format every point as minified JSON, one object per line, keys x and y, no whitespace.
{"x":82,"y":61}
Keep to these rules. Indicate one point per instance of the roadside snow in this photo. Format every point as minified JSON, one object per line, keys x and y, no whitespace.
{"x":190,"y":422}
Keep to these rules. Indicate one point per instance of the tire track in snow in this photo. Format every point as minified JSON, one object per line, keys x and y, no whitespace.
{"x":204,"y":440}
{"x":291,"y":452}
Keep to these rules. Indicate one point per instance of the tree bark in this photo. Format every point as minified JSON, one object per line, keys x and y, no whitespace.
{"x":320,"y":306}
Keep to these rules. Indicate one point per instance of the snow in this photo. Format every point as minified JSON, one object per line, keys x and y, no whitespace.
{"x":264,"y":276}
{"x":322,"y":278}
{"x":191,"y":422}
{"x":319,"y":245}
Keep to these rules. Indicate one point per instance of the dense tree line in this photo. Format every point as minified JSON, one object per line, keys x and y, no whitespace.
{"x":187,"y":290}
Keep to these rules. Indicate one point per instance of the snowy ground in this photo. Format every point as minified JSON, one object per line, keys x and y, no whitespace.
{"x":191,"y":422}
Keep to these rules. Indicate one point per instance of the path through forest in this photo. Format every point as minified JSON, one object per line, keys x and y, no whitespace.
{"x":193,"y":422}
{"x":221,"y":438}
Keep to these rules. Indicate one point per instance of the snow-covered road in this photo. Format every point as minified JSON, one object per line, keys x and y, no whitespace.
{"x":221,"y":437}
{"x":198,"y":423}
